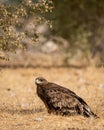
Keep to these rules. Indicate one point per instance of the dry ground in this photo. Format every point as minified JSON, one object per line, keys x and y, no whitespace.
{"x":21,"y":109}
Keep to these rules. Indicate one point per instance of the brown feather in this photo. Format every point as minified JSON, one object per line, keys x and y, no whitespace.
{"x":62,"y":101}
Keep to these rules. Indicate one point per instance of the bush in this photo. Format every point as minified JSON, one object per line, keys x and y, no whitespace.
{"x":14,"y":14}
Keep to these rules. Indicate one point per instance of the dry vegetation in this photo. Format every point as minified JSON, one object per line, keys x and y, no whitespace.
{"x":21,"y":109}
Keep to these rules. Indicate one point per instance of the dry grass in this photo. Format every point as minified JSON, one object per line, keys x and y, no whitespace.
{"x":21,"y":109}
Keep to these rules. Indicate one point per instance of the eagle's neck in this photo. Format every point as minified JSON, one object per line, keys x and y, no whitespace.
{"x":40,"y":91}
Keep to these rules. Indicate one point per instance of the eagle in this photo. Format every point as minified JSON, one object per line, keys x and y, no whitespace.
{"x":60,"y":100}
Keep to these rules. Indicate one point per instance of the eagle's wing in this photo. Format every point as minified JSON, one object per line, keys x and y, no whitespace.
{"x":65,"y":102}
{"x":62,"y":101}
{"x":60,"y":98}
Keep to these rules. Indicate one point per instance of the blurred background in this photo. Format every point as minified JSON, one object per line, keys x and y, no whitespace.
{"x":61,"y":41}
{"x":68,"y":33}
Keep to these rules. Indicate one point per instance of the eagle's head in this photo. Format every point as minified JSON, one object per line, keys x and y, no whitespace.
{"x":40,"y":81}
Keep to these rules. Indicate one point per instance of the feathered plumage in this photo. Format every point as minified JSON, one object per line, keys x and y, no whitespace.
{"x":60,"y":100}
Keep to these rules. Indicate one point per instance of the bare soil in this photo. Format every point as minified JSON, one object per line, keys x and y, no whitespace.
{"x":21,"y":109}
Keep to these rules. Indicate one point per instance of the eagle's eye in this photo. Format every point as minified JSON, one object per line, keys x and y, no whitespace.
{"x":41,"y":80}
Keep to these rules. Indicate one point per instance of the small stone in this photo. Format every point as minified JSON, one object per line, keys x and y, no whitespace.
{"x":38,"y":119}
{"x":101,"y":86}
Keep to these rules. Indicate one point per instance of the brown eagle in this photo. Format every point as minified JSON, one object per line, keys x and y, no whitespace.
{"x":60,"y":100}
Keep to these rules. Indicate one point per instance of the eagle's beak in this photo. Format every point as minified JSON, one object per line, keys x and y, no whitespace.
{"x":37,"y":81}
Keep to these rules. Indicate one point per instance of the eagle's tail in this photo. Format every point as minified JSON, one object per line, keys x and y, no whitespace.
{"x":85,"y":109}
{"x":88,"y":113}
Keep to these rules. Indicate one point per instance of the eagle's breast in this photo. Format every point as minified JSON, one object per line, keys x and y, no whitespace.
{"x":40,"y":91}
